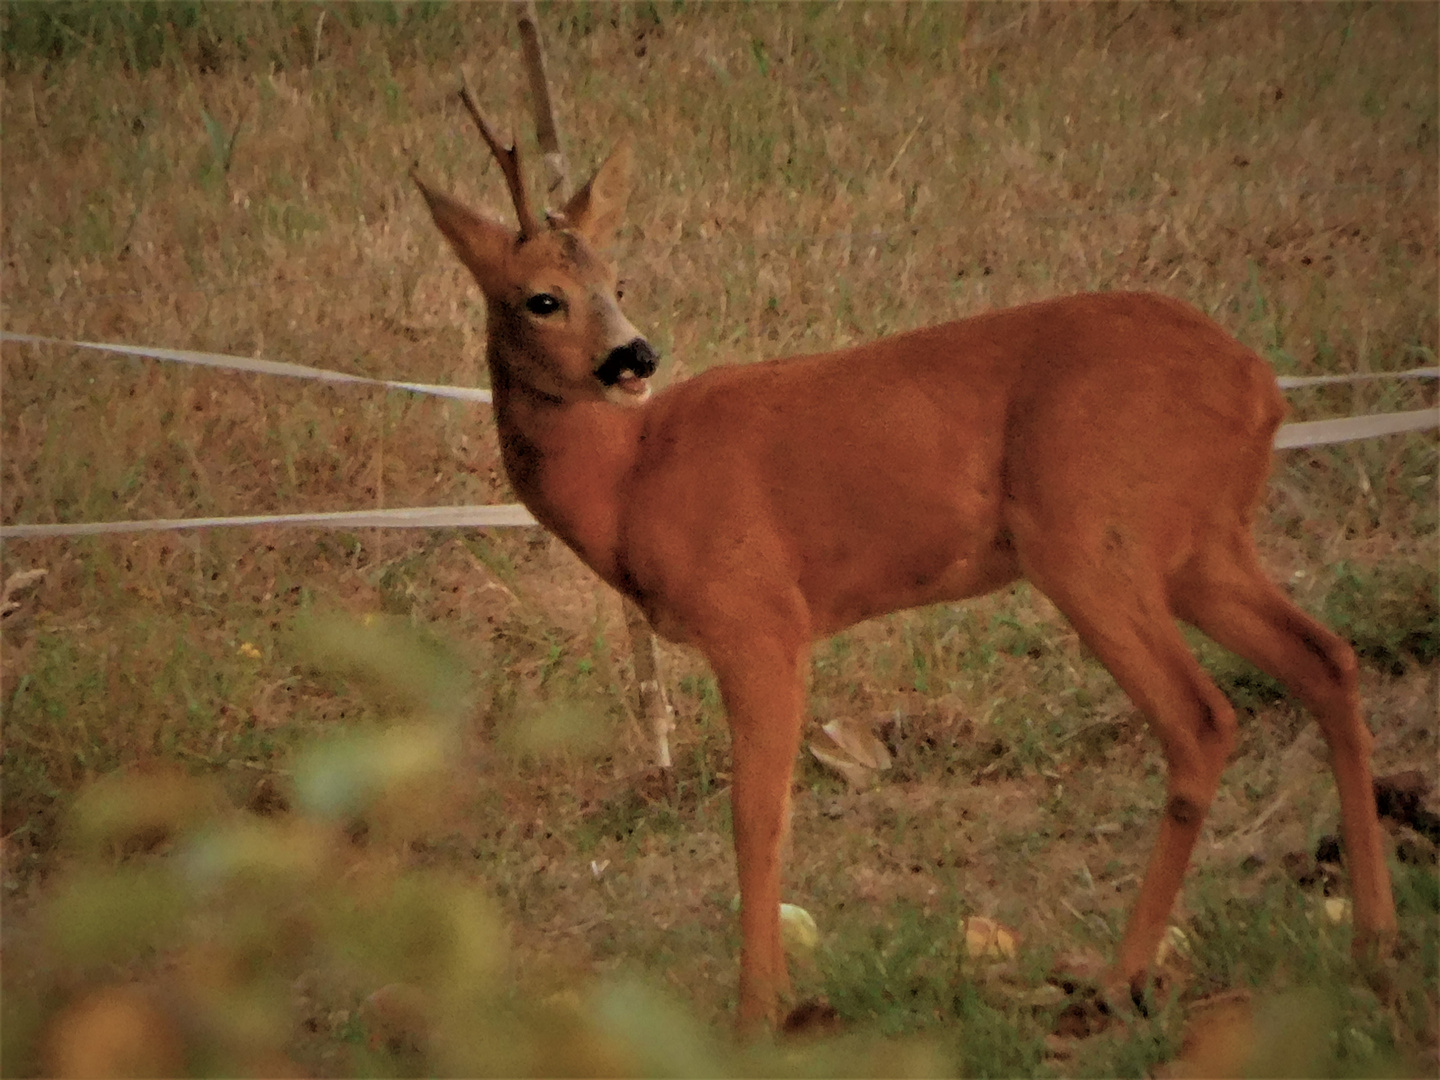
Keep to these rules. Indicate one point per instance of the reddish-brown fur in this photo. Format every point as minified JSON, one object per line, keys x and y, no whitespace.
{"x":1111,"y":448}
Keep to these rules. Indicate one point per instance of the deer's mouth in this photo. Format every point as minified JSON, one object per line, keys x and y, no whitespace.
{"x":626,"y":371}
{"x":633,"y":385}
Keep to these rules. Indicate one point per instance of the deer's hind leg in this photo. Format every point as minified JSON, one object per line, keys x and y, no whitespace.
{"x":1224,"y":593}
{"x":1117,"y":602}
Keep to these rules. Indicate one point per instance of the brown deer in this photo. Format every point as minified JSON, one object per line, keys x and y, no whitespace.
{"x":1109,"y":447}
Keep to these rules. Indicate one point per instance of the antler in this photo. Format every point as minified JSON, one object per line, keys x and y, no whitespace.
{"x":509,"y":159}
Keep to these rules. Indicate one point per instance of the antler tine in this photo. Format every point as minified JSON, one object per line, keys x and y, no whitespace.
{"x":509,"y":159}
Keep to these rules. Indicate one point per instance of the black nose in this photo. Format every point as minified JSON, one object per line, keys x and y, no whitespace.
{"x":636,"y":357}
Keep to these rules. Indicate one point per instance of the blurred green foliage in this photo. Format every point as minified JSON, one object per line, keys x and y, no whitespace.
{"x":176,"y":936}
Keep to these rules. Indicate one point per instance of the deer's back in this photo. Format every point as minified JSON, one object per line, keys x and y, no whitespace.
{"x":893,"y":474}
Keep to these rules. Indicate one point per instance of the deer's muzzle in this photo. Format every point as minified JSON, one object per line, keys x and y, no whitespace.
{"x":628,"y":364}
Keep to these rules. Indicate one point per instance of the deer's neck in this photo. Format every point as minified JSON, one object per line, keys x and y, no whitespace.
{"x":568,"y":463}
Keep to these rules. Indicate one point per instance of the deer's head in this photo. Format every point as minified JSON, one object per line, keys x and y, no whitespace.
{"x":552,"y":296}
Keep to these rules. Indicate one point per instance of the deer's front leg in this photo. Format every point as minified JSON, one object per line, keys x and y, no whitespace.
{"x":763,"y":685}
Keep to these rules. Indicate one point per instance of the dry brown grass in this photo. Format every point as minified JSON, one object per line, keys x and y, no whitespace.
{"x":807,"y":178}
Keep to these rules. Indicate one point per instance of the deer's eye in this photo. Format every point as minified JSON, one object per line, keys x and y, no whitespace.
{"x":620,"y":290}
{"x":543,"y":304}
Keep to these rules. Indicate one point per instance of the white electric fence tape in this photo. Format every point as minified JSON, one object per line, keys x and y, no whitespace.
{"x":1290,"y":436}
{"x":1350,"y":428}
{"x":1290,"y":382}
{"x":410,"y":517}
{"x":246,"y":363}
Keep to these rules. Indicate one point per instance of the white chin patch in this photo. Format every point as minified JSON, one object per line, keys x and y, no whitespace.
{"x":630,"y":389}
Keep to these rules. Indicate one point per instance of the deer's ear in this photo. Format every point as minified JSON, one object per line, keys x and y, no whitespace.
{"x":596,"y":209}
{"x":482,"y":244}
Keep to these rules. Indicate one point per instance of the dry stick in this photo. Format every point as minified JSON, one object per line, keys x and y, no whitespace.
{"x":319,"y":27}
{"x":653,"y":703}
{"x":903,"y":147}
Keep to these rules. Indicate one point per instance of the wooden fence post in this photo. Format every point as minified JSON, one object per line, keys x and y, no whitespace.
{"x":545,"y":130}
{"x":653,"y":703}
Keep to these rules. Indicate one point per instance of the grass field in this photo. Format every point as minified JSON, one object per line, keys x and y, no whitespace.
{"x":233,"y":178}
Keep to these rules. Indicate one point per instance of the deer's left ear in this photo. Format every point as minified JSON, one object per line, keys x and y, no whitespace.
{"x":596,"y":209}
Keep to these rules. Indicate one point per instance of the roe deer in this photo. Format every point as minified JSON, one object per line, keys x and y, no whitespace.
{"x":1111,"y":448}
